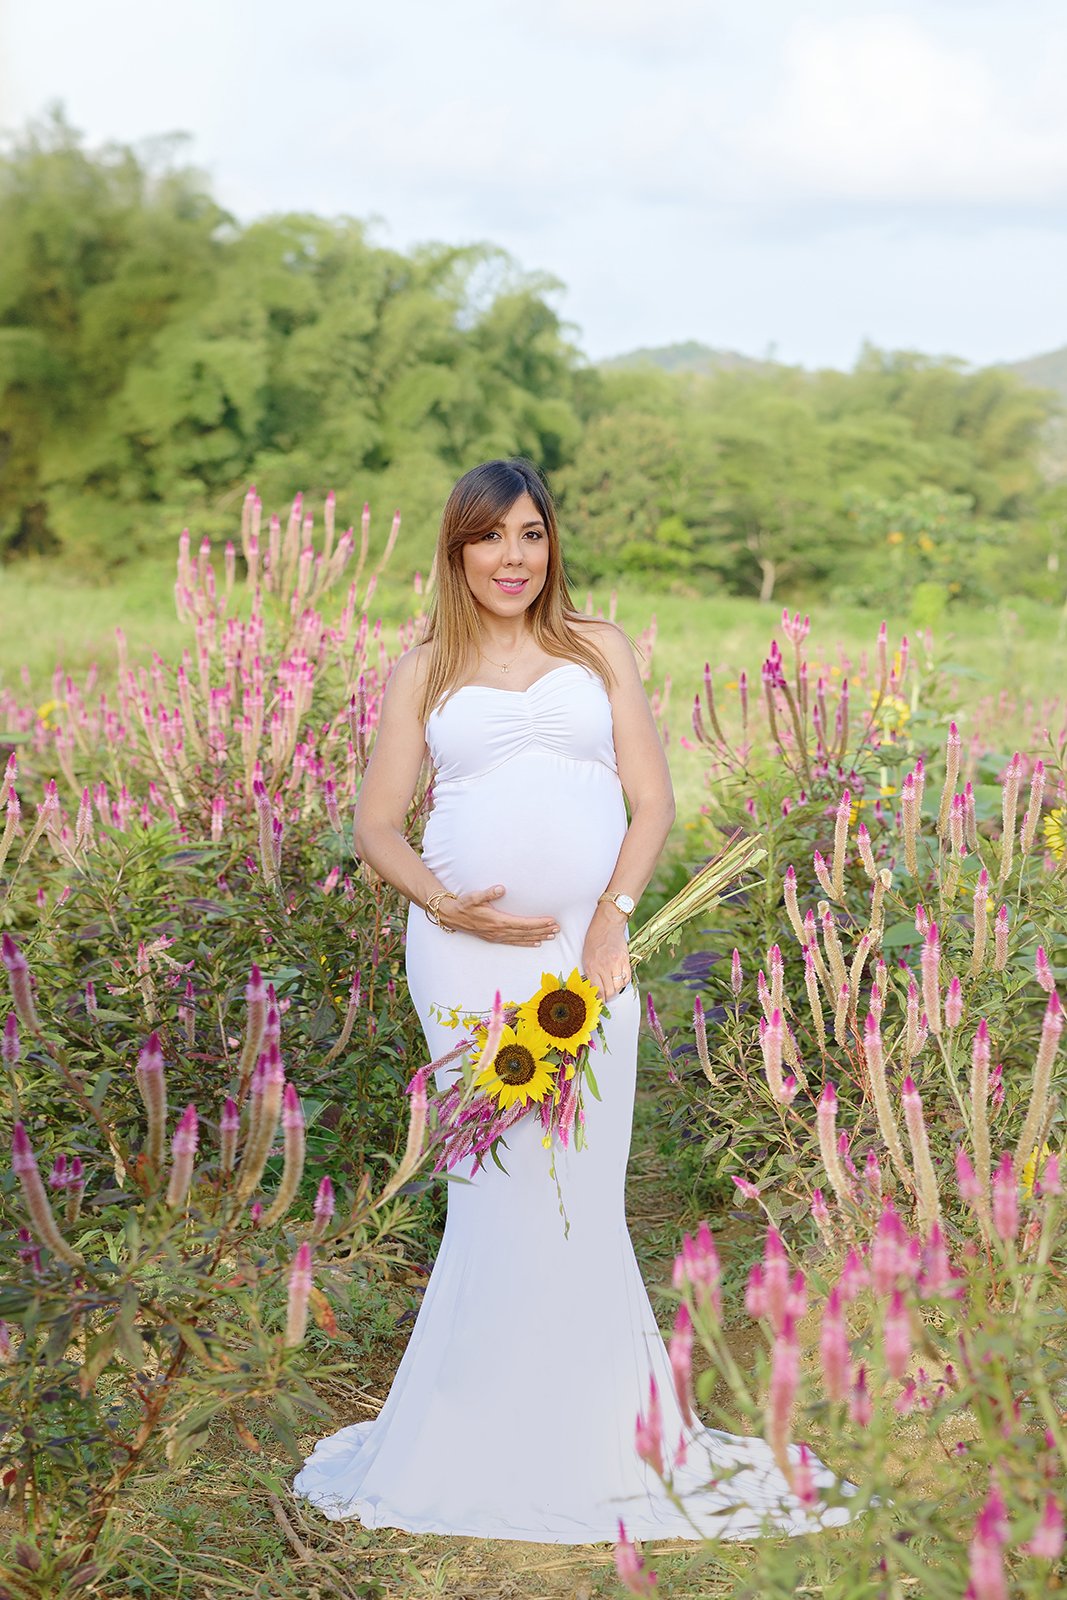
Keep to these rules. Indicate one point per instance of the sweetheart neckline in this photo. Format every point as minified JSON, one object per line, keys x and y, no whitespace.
{"x":494,"y":688}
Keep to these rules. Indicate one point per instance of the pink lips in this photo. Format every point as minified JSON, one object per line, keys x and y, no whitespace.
{"x":511,"y":585}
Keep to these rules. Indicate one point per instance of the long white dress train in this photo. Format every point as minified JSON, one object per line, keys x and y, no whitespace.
{"x":512,"y":1413}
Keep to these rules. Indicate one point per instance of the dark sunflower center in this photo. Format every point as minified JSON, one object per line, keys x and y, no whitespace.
{"x":514,"y":1064}
{"x":562,"y":1013}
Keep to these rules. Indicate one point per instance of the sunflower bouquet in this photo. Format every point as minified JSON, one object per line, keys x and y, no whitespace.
{"x":530,"y":1058}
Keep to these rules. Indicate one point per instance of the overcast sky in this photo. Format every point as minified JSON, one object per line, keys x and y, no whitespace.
{"x":759,"y":175}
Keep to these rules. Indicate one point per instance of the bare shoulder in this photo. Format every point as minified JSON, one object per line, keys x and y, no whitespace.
{"x":409,"y":670}
{"x":611,"y":641}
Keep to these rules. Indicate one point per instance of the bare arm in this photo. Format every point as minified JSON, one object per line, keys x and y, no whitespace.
{"x":646,"y":782}
{"x":385,"y":798}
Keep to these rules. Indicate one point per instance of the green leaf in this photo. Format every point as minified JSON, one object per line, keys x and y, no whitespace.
{"x":591,"y":1079}
{"x":127,"y":1337}
{"x":98,"y":1353}
{"x":190,"y":1337}
{"x":494,"y":1152}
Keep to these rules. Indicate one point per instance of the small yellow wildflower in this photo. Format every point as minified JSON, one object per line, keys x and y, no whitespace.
{"x":1054,"y":828}
{"x":894,"y":537}
{"x":892,"y":712}
{"x":925,"y":543}
{"x":44,"y":711}
{"x":1029,"y":1172}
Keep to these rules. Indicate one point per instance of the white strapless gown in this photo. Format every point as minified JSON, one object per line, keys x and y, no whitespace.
{"x":511,"y":1415}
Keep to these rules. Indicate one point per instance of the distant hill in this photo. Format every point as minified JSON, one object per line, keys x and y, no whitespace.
{"x":1044,"y":372}
{"x":692,"y":356}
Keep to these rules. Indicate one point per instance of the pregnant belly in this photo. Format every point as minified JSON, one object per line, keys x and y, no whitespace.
{"x":547,"y":828}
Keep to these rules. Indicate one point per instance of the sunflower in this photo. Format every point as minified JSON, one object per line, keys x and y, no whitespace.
{"x":562,"y":1016}
{"x":1054,"y":828}
{"x":518,"y":1074}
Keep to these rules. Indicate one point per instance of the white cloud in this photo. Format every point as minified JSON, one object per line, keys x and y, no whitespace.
{"x":877,"y":108}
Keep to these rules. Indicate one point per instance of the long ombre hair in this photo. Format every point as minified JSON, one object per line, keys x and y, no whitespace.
{"x":478,"y":503}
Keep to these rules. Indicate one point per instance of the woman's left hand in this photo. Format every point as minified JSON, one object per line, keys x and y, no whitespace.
{"x":605,"y":957}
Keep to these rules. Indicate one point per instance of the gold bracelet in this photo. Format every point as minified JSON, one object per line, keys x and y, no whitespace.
{"x":433,"y":908}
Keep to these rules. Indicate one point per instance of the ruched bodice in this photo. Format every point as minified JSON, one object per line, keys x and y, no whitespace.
{"x":526,"y":794}
{"x":563,"y":713}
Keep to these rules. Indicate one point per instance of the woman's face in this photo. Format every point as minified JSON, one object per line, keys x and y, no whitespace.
{"x":506,"y":568}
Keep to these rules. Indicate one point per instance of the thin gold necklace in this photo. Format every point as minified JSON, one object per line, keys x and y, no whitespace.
{"x":504,"y":666}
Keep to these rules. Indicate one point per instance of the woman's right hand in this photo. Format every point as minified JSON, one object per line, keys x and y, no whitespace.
{"x":475,"y":913}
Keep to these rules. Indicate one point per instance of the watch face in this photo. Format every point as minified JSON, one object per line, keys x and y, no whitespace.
{"x":625,"y":904}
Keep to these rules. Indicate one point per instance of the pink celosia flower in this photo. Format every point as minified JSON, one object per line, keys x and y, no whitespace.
{"x":1042,"y":970}
{"x":775,"y":1278}
{"x":803,"y":1478}
{"x":152,"y":1085}
{"x":630,"y":1566}
{"x":755,"y":1293}
{"x":771,"y":1040}
{"x":18,"y":973}
{"x":860,"y":1408}
{"x":747,"y":1188}
{"x":700,"y":1034}
{"x":820,"y":1210}
{"x":648,"y":1431}
{"x":736,"y":975}
{"x":229,"y":1127}
{"x":654,"y":1023}
{"x":954,"y":1004}
{"x":782,"y":1392}
{"x":1048,"y":1540}
{"x":1000,"y":940}
{"x":936,"y":1276}
{"x":680,"y":1351}
{"x":822,"y":872}
{"x":697,"y":1265}
{"x":324,"y":1206}
{"x":827,"y":1131}
{"x":930,"y":962}
{"x":907,"y":1399}
{"x":183,"y":1150}
{"x":834,"y":1347}
{"x":24,"y":1166}
{"x":957,"y":826}
{"x":888,"y":1250}
{"x":929,"y":1198}
{"x":953,"y":749}
{"x":10,"y":1045}
{"x":1006,"y":1200}
{"x":1033,"y":808}
{"x":300,"y":1279}
{"x":969,"y":1187}
{"x":986,"y":1553}
{"x":896,"y":1335}
{"x":1049,"y":1182}
{"x":854,"y":1275}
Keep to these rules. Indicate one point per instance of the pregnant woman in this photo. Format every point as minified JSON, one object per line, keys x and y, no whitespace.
{"x":512,"y":1413}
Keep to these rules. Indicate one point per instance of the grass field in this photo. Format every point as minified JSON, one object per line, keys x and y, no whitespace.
{"x":1019,"y":647}
{"x":1017,"y":650}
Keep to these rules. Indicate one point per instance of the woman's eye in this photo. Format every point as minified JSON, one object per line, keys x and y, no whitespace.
{"x":534,"y":533}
